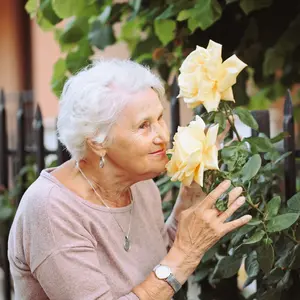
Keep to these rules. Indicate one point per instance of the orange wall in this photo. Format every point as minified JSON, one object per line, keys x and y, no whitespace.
{"x":10,"y":47}
{"x":45,"y":52}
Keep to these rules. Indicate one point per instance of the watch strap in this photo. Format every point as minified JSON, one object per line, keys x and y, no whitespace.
{"x":173,"y":282}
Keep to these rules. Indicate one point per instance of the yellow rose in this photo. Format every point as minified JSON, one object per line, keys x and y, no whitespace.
{"x":206,"y":79}
{"x":194,"y":152}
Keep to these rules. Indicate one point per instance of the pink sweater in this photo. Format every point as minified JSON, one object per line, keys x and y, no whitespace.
{"x":63,"y":247}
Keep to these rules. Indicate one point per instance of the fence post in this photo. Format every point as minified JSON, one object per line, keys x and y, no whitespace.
{"x":175,"y":112}
{"x":289,"y":146}
{"x":263,"y":119}
{"x":3,"y":143}
{"x":21,"y":144}
{"x":4,"y":182}
{"x":39,"y":135}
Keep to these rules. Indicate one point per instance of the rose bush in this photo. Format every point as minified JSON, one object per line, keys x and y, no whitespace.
{"x":270,"y":244}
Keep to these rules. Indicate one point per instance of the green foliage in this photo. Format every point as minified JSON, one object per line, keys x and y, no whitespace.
{"x":269,"y":244}
{"x":162,"y":33}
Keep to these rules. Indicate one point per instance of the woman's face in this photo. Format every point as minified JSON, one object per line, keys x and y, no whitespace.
{"x":140,"y":137}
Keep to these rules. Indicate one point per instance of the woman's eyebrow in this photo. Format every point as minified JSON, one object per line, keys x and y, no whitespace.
{"x":148,"y":118}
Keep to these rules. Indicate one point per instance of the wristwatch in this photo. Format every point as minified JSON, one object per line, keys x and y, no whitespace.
{"x":164,"y":273}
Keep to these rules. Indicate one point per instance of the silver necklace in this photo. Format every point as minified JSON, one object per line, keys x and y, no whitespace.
{"x":126,"y":244}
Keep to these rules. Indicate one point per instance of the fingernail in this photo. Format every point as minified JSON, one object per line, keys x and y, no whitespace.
{"x":227,"y":182}
{"x":241,"y":200}
{"x":247,"y":218}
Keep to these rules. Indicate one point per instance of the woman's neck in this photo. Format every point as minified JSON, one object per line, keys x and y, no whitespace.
{"x":112,"y":188}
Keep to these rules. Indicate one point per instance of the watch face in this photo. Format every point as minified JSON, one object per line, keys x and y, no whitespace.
{"x":163,"y":272}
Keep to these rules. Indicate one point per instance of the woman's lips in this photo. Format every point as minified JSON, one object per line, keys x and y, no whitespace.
{"x":161,"y":151}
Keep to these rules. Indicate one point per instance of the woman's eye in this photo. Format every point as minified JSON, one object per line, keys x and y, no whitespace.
{"x":144,"y":125}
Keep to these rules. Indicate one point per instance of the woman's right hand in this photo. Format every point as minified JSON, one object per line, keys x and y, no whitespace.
{"x":202,"y":225}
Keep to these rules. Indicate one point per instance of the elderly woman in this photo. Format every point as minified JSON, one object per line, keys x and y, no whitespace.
{"x":93,"y":227}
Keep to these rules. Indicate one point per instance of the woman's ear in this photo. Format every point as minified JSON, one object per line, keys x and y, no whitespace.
{"x":96,"y":147}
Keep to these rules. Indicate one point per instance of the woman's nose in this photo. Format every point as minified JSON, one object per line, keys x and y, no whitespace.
{"x":161,"y":135}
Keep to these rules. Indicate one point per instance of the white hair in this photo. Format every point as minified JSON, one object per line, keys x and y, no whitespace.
{"x":92,"y":100}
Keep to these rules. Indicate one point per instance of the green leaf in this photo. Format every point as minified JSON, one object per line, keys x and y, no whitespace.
{"x":240,"y":233}
{"x":272,"y":207}
{"x":227,"y":267}
{"x":74,"y":31}
{"x":76,"y":61}
{"x":254,"y":222}
{"x":260,"y":144}
{"x":206,"y":13}
{"x":281,"y":222}
{"x":135,"y":4}
{"x":59,"y":68}
{"x":221,"y":120}
{"x":48,"y":12}
{"x":255,"y":238}
{"x":251,"y":168}
{"x":104,"y":16}
{"x":101,"y":35}
{"x":192,"y":24}
{"x":32,"y":7}
{"x":294,"y":202}
{"x":265,"y":257}
{"x":165,"y":30}
{"x":67,"y":8}
{"x":249,"y":6}
{"x":184,"y":15}
{"x":59,"y":76}
{"x":246,"y":117}
{"x":168,"y":13}
{"x":279,"y":137}
{"x":282,"y":157}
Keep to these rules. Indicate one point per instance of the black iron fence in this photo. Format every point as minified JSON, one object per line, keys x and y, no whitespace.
{"x":29,"y":137}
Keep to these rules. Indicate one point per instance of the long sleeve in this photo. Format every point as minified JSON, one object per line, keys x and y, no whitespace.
{"x":74,"y":273}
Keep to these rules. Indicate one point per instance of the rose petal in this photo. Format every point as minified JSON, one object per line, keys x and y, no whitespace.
{"x":210,"y":158}
{"x":213,"y":103}
{"x":188,"y":180}
{"x":211,"y":135}
{"x":187,"y":142}
{"x":214,"y":49}
{"x":231,"y":69}
{"x":227,"y":95}
{"x":199,"y":175}
{"x":193,"y":60}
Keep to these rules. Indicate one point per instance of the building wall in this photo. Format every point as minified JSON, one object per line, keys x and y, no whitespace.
{"x":11,"y":79}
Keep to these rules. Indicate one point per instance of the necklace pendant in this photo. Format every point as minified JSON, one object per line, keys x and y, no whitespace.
{"x":126,"y":243}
